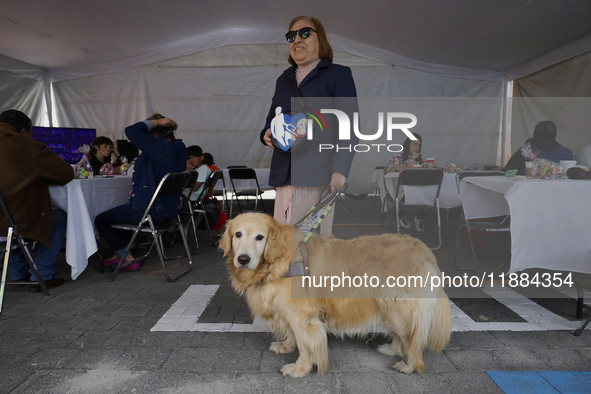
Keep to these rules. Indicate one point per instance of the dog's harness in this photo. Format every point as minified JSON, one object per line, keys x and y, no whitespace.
{"x":301,"y":268}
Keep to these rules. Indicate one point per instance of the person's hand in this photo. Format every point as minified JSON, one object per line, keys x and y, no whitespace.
{"x":267,"y":138}
{"x":337,"y":181}
{"x":164,"y":122}
{"x":396,"y":168}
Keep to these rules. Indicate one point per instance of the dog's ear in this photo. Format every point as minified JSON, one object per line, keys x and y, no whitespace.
{"x":226,"y":241}
{"x":278,"y":242}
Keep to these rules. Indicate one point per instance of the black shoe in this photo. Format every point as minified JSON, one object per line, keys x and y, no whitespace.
{"x":50,"y":284}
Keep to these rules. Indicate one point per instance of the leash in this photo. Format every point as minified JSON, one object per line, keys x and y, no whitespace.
{"x":308,"y":225}
{"x":314,"y":217}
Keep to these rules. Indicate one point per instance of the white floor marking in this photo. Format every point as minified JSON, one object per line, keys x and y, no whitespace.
{"x":184,"y":314}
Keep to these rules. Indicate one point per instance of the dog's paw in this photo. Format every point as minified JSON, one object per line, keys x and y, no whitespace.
{"x":294,"y":370}
{"x":387,"y":349}
{"x":403,"y":367}
{"x":282,"y":347}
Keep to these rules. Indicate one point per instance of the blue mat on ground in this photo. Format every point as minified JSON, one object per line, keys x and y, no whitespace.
{"x":542,"y":382}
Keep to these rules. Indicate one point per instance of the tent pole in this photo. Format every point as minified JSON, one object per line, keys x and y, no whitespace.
{"x":47,"y":92}
{"x":507,"y":95}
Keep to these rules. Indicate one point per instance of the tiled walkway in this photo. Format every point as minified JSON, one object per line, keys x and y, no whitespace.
{"x":142,"y":334}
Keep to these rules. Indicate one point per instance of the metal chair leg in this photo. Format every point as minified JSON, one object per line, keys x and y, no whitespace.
{"x":456,"y":265}
{"x":438,"y":226}
{"x":160,"y":249}
{"x":194,"y":229}
{"x":580,"y":300}
{"x":473,"y":252}
{"x":32,"y":265}
{"x":5,"y":267}
{"x":127,"y":249}
{"x":580,"y":330}
{"x":397,"y":218}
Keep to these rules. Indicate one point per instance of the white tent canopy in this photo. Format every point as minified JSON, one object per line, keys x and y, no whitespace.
{"x":212,"y":66}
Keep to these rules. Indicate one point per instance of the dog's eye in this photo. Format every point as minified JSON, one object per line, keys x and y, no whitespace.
{"x":259,"y":237}
{"x":238,"y":234}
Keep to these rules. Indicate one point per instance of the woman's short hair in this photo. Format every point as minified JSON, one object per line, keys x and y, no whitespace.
{"x":324,"y":48}
{"x":164,"y":132}
{"x":545,"y":130}
{"x":98,"y":141}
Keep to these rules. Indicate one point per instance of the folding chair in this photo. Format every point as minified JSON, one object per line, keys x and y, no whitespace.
{"x":198,"y":207}
{"x":5,"y":248}
{"x":501,"y":224}
{"x":421,"y":193}
{"x":245,"y":174}
{"x":171,"y":184}
{"x":376,"y":191}
{"x":221,"y":193}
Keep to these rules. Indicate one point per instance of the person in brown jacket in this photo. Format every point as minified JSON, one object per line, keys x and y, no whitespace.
{"x":28,"y":168}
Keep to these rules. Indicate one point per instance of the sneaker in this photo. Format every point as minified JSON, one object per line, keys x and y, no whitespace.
{"x":419,"y":225}
{"x":404,"y":223}
{"x":111,"y":261}
{"x":50,"y":284}
{"x":135,"y":266}
{"x":110,"y":266}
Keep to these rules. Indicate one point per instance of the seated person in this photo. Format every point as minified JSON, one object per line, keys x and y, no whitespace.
{"x":208,"y":160}
{"x":29,"y":167}
{"x":410,"y":155}
{"x":100,"y":154}
{"x":196,"y":163}
{"x":584,"y":156}
{"x":161,"y":153}
{"x":544,"y":144}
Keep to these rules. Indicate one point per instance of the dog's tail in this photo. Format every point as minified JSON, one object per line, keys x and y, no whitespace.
{"x":440,"y":328}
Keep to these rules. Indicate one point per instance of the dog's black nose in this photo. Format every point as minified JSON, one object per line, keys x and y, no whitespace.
{"x":243,"y":259}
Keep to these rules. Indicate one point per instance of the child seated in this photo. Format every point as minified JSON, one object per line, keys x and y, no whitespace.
{"x":195,"y":162}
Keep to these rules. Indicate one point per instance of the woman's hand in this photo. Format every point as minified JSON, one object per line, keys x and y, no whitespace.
{"x":397,"y":168}
{"x":267,"y":138}
{"x":337,"y":181}
{"x":164,"y":122}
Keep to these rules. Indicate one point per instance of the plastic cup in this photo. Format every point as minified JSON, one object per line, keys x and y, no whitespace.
{"x":566,"y":164}
{"x":430,"y":162}
{"x":528,"y":167}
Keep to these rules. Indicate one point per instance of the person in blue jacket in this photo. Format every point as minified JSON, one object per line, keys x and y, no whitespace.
{"x":161,"y":153}
{"x":544,"y":144}
{"x":312,"y":75}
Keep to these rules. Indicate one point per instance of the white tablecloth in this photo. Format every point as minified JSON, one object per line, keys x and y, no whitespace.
{"x":83,"y":200}
{"x":262,"y":177}
{"x":550,"y":219}
{"x":448,"y":195}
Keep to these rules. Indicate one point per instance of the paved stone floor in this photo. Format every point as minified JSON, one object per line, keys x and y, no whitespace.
{"x":142,"y":334}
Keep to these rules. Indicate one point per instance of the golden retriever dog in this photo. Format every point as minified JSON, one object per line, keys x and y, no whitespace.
{"x":260,"y":251}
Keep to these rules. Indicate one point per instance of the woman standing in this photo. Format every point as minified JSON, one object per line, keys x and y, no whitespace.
{"x":312,"y":74}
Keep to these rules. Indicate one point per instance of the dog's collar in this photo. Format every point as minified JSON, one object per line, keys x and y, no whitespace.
{"x":301,"y":268}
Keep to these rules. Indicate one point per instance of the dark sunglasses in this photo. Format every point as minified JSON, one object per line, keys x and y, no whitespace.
{"x":304,"y":33}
